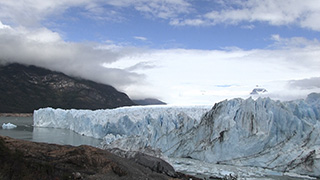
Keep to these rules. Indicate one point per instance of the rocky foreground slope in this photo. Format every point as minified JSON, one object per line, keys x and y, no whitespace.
{"x":29,"y":160}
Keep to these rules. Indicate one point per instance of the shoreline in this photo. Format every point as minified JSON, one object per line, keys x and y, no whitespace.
{"x":16,"y":114}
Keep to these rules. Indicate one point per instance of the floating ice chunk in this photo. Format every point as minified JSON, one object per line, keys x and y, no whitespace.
{"x":8,"y":126}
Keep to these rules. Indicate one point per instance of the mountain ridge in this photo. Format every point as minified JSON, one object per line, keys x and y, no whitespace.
{"x":148,"y":101}
{"x":24,"y":89}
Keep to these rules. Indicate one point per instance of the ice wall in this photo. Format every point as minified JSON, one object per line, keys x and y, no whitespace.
{"x":282,"y":136}
{"x":146,"y":121}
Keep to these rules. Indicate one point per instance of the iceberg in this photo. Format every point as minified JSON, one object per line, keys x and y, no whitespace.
{"x":8,"y":126}
{"x":279,"y":136}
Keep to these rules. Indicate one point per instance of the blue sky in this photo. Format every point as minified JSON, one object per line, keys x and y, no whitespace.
{"x":157,"y":32}
{"x":180,"y":51}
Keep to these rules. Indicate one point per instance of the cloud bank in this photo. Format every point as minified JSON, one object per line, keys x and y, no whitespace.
{"x":202,"y":76}
{"x":45,"y":48}
{"x":178,"y":76}
{"x":288,"y":68}
{"x":309,"y":83}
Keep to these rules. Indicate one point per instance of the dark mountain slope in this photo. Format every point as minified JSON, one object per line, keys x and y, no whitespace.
{"x":26,"y":88}
{"x":148,"y":101}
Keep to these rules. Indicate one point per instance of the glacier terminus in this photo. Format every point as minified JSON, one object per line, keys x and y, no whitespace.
{"x":282,"y":137}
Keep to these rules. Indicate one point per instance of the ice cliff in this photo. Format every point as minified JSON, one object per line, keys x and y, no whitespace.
{"x":146,"y":122}
{"x":282,"y":136}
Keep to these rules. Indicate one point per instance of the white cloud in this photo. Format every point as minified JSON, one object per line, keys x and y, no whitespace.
{"x":251,"y":26}
{"x":2,"y":26}
{"x":44,"y":48}
{"x":141,"y":38}
{"x":174,"y":75}
{"x":177,"y":76}
{"x":293,"y":42}
{"x":141,"y":65}
{"x":42,"y":35}
{"x":187,"y":22}
{"x":32,"y":12}
{"x":285,"y":12}
{"x":179,"y":12}
{"x":157,"y":8}
{"x":309,"y":83}
{"x":191,"y":76}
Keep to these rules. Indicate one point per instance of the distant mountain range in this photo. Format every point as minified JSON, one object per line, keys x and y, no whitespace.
{"x":148,"y":101}
{"x":26,"y":88}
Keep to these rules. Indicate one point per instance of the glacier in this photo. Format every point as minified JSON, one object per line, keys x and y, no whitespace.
{"x":111,"y":124}
{"x":264,"y":133}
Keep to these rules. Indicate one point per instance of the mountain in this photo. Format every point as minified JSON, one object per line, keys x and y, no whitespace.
{"x":148,"y":101}
{"x":26,"y":88}
{"x":274,"y":135}
{"x":258,"y":90}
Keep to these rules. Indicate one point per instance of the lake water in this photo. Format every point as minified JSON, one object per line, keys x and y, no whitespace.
{"x":26,"y":131}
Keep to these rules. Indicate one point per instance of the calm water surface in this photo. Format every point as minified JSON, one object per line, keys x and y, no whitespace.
{"x":26,"y":131}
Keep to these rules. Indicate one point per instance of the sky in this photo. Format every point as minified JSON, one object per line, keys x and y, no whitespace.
{"x":179,"y":51}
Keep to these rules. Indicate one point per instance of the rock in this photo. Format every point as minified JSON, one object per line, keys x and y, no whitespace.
{"x":155,"y":164}
{"x":29,"y":160}
{"x":77,"y":175}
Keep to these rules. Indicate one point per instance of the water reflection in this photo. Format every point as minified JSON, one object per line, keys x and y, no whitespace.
{"x":62,"y":136}
{"x":26,"y":131}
